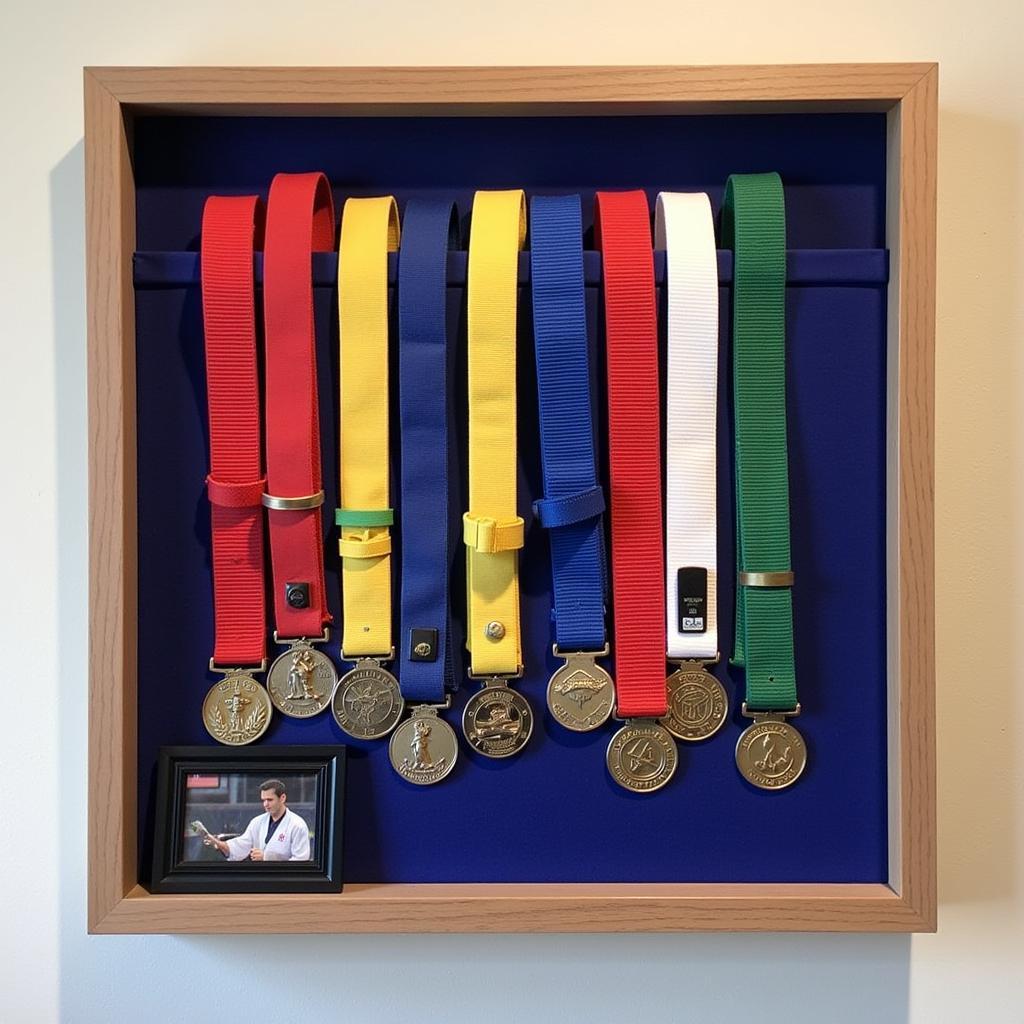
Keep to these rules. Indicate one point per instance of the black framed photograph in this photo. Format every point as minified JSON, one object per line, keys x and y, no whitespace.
{"x":264,"y":820}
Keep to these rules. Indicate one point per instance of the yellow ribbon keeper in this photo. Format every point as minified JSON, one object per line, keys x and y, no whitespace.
{"x":487,"y":535}
{"x":365,"y":544}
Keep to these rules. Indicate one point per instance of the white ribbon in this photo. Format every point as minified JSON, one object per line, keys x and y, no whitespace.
{"x":684,"y":228}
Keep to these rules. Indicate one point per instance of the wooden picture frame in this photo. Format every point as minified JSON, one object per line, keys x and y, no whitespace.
{"x":177,"y":865}
{"x":908,"y":94}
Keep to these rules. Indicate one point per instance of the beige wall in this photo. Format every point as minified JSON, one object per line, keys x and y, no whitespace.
{"x":971,"y":970}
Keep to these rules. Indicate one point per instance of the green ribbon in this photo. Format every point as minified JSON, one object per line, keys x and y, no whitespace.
{"x":363,"y":518}
{"x":754,"y":227}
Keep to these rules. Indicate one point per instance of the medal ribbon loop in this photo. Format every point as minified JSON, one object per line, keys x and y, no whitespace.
{"x":573,"y":501}
{"x":493,"y":530}
{"x":426,"y":403}
{"x":369,"y":231}
{"x":684,"y":228}
{"x":623,"y":234}
{"x":232,"y":228}
{"x":754,"y":227}
{"x":300,"y":221}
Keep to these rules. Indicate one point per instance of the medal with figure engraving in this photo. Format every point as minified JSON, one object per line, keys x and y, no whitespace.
{"x":301,"y":681}
{"x":300,"y":220}
{"x":423,"y":749}
{"x":684,"y":229}
{"x":497,"y":721}
{"x":236,"y":709}
{"x":367,"y":703}
{"x":770,"y":753}
{"x":581,"y":694}
{"x":642,"y":755}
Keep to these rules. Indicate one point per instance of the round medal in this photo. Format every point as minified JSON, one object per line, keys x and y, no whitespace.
{"x":697,"y":703}
{"x":423,"y":749}
{"x":497,"y":721}
{"x":771,"y":754}
{"x":581,"y":694}
{"x":642,"y":756}
{"x":367,"y":703}
{"x":301,"y":681}
{"x":236,"y":710}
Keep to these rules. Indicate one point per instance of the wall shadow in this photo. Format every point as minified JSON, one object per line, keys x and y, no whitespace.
{"x":978,"y":592}
{"x":67,"y":227}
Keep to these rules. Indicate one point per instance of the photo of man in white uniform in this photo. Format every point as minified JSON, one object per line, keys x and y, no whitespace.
{"x":277,"y":834}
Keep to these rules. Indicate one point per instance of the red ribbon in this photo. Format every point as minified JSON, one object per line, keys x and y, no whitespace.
{"x":622,"y":231}
{"x":300,"y":221}
{"x":231,"y":230}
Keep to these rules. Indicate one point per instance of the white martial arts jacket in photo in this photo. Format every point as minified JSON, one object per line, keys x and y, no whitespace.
{"x":289,"y":841}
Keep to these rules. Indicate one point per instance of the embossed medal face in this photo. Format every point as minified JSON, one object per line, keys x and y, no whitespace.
{"x":367,"y":703}
{"x":236,"y":710}
{"x":301,"y":681}
{"x":497,"y":721}
{"x":642,"y":756}
{"x":697,"y":703}
{"x":423,"y":749}
{"x":581,"y":694}
{"x":771,"y":754}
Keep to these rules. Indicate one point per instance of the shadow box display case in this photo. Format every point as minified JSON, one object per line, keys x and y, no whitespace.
{"x":544,"y":841}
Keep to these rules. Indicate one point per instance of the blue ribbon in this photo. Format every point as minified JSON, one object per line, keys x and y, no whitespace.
{"x":573,"y":501}
{"x":429,"y":230}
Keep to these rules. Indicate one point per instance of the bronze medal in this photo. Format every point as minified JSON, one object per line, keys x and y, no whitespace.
{"x":642,"y":756}
{"x":497,"y":721}
{"x":771,"y":754}
{"x":236,"y":710}
{"x":423,"y":749}
{"x":697,"y":703}
{"x":367,"y":702}
{"x":301,"y":681}
{"x":581,"y":693}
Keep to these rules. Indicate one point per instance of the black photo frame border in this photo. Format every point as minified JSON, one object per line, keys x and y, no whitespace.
{"x":323,"y":874}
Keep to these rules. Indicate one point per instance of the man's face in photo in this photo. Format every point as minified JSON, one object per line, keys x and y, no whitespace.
{"x":272,"y":802}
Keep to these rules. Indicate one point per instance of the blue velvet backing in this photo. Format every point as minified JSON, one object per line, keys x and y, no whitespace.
{"x":553,"y":814}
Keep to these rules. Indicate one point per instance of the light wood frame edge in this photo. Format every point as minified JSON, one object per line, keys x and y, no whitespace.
{"x":911,"y":213}
{"x":116,"y":903}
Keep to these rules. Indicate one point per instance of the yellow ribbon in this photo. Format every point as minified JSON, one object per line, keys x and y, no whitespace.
{"x":369,"y":231}
{"x":492,"y":530}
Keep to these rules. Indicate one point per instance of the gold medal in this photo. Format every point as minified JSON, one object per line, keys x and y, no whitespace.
{"x":697,"y":703}
{"x":771,"y":754}
{"x":642,"y":756}
{"x":581,"y":693}
{"x":301,"y":681}
{"x":367,"y":702}
{"x":237,"y":709}
{"x":423,"y":749}
{"x":497,"y":721}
